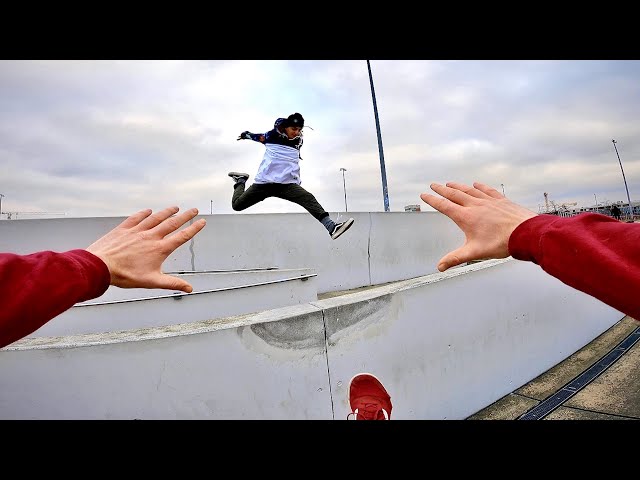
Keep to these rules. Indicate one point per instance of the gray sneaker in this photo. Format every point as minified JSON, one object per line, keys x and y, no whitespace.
{"x":340,"y":228}
{"x":239,"y":177}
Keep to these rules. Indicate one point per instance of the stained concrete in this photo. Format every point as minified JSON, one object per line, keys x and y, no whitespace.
{"x":616,"y":391}
{"x":613,"y":395}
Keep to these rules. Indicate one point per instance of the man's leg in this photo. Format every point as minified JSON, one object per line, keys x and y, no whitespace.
{"x":243,"y":199}
{"x":296,"y":194}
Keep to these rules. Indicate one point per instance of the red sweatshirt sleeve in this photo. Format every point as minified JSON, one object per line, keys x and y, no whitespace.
{"x":593,"y":253}
{"x":35,"y":288}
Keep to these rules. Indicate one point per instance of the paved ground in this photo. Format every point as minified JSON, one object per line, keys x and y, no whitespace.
{"x":601,"y":381}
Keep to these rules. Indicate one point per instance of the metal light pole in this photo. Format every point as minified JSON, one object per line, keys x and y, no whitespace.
{"x":383,"y":171}
{"x":596,"y":199}
{"x":623,"y":178}
{"x":1,"y":195}
{"x":502,"y":185}
{"x":211,"y":207}
{"x":344,"y":185}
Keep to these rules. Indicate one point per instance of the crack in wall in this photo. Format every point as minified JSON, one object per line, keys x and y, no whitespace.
{"x":193,"y":255}
{"x":326,"y":353}
{"x":369,"y":249}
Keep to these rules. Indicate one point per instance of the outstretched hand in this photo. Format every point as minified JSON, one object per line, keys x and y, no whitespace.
{"x":485,"y":216}
{"x":135,"y":250}
{"x":244,"y":135}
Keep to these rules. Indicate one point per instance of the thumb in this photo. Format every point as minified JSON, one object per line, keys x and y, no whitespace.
{"x":170,"y":282}
{"x":453,"y":258}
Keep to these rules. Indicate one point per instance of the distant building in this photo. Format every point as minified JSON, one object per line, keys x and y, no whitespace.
{"x":412,"y":208}
{"x":605,"y":209}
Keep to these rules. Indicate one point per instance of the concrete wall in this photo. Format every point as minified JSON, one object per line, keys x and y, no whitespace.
{"x":380,"y":246}
{"x":446,"y":348}
{"x":445,"y":345}
{"x":215,"y":374}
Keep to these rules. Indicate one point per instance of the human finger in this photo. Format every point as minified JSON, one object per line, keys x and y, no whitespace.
{"x":135,"y":218}
{"x":183,"y":236}
{"x":490,"y":191}
{"x":453,"y":194}
{"x":173,"y":223}
{"x":157,"y":218}
{"x":455,"y":257}
{"x":472,"y":191}
{"x":441,"y":204}
{"x":169,"y":282}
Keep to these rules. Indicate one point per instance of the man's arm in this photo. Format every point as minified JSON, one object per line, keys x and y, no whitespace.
{"x":590,"y":252}
{"x":36,"y":288}
{"x":256,"y":137}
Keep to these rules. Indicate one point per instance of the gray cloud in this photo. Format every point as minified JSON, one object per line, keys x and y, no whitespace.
{"x":112,"y":137}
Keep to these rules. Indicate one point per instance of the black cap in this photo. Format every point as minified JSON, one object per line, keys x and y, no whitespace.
{"x":295,"y":120}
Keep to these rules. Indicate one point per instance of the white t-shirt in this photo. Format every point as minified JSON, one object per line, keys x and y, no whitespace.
{"x":280,"y":164}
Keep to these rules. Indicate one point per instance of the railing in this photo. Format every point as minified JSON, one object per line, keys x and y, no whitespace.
{"x":625,"y":218}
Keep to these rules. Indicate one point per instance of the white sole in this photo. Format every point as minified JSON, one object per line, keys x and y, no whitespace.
{"x":238,"y":174}
{"x":343,"y":228}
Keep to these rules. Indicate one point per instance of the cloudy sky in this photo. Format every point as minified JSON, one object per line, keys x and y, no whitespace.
{"x":108,"y":138}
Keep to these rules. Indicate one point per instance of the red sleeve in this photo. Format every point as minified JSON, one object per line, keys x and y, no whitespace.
{"x":35,"y":288}
{"x":591,"y":252}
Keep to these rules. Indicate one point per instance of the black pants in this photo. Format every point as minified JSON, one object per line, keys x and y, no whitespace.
{"x":292,"y":192}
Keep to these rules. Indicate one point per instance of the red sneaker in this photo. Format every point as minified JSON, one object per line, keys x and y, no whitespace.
{"x":368,"y":398}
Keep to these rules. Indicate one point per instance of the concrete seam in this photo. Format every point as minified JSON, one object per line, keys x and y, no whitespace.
{"x":369,"y":250}
{"x":326,"y":356}
{"x":193,"y":255}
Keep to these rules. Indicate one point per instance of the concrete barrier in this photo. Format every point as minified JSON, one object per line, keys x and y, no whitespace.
{"x":379,"y":247}
{"x":98,"y":316}
{"x":445,"y":345}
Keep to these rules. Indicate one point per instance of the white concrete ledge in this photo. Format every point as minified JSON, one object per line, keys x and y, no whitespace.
{"x":165,"y":310}
{"x":380,"y":247}
{"x":445,"y":345}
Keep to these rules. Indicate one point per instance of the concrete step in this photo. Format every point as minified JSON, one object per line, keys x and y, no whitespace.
{"x":215,"y":295}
